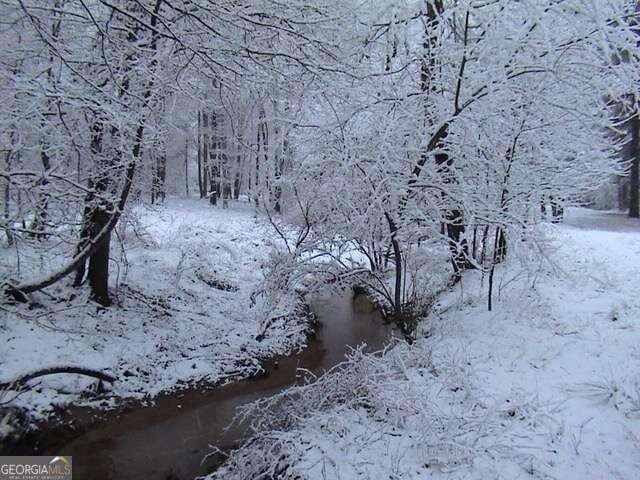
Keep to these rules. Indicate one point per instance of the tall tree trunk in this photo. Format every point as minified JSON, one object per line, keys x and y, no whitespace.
{"x":493,"y":267}
{"x":40,"y":214}
{"x":96,"y":248}
{"x":485,"y":239}
{"x":162,"y":175}
{"x":99,"y":210}
{"x":214,"y":159}
{"x":501,"y":246}
{"x":634,"y":171}
{"x":453,"y":220}
{"x":236,"y":186}
{"x":186,"y":166}
{"x":103,"y":212}
{"x":397,"y":258}
{"x":159,"y":174}
{"x":262,"y":150}
{"x":623,"y":192}
{"x":206,"y":162}
{"x":201,"y":190}
{"x":42,"y":207}
{"x":223,"y":184}
{"x":453,"y":225}
{"x":95,"y":147}
{"x":10,"y":156}
{"x":455,"y":231}
{"x":153,"y":179}
{"x":7,"y":197}
{"x":98,"y":274}
{"x":237,"y":179}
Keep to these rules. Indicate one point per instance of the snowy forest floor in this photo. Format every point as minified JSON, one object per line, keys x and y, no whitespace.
{"x":183,"y":310}
{"x":545,"y":386}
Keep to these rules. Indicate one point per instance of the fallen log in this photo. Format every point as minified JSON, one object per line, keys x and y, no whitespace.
{"x":21,"y":381}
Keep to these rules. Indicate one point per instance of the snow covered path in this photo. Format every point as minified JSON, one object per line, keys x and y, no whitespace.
{"x":546,"y":386}
{"x":567,"y":343}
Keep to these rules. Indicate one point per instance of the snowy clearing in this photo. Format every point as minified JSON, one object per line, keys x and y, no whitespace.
{"x":187,"y":272}
{"x":546,"y":386}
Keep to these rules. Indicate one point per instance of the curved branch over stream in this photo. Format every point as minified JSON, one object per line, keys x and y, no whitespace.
{"x":21,"y":381}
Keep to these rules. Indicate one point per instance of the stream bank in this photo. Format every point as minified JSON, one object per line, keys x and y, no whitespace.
{"x":170,"y":439}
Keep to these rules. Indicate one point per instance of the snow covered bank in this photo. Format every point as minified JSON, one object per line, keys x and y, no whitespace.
{"x":546,"y":386}
{"x":185,"y":311}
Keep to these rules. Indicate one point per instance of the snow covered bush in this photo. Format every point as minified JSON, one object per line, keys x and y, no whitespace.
{"x":373,"y":416}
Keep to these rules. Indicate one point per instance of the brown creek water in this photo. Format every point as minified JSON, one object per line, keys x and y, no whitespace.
{"x":168,"y":441}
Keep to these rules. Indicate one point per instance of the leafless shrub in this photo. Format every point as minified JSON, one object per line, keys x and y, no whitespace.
{"x":396,"y":396}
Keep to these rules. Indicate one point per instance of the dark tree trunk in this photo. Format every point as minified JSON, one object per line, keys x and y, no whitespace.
{"x":500,"y":253}
{"x":277,"y":189}
{"x":201,"y":190}
{"x":557,"y":210}
{"x":101,"y":221}
{"x":224,"y":185}
{"x":474,"y":243}
{"x":96,"y":216}
{"x":237,"y":174}
{"x":159,"y":175}
{"x":634,"y":171}
{"x":501,"y":246}
{"x":7,"y":193}
{"x":227,"y":194}
{"x":206,"y":164}
{"x":453,"y":224}
{"x":455,"y":230}
{"x":214,"y":173}
{"x":262,"y":150}
{"x":214,"y":185}
{"x":162,"y":176}
{"x":85,"y":235}
{"x":491,"y":272}
{"x":98,"y":274}
{"x":483,"y":252}
{"x":97,"y":132}
{"x":397,"y":258}
{"x":214,"y":160}
{"x":623,"y":193}
{"x":42,"y":207}
{"x":186,"y":166}
{"x":236,"y":186}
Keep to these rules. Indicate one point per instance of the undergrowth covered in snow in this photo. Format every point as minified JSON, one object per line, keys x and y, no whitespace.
{"x":186,"y":310}
{"x":546,"y":385}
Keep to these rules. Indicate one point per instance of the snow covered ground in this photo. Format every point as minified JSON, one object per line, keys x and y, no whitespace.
{"x":185,"y":310}
{"x":545,"y":386}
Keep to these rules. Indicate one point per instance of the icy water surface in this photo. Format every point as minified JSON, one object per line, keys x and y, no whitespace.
{"x":169,"y":440}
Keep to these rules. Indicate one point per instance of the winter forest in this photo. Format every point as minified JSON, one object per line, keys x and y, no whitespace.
{"x":321,"y":239}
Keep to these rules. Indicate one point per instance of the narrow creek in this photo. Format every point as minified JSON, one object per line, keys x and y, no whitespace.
{"x":169,"y":440}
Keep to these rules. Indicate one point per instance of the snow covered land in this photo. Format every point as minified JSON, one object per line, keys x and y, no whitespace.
{"x":204,"y":204}
{"x":186,"y":273}
{"x":546,"y":385}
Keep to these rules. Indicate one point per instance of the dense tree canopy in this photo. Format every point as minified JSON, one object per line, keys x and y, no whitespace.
{"x":376,"y":127}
